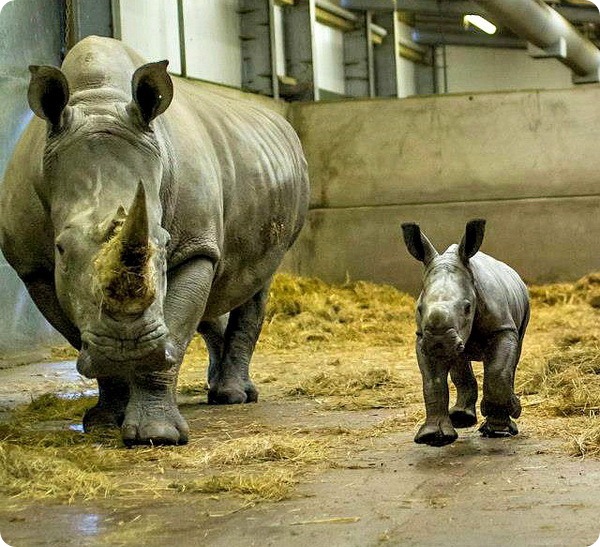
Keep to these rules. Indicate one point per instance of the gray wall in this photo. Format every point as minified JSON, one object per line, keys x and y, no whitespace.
{"x":526,"y":161}
{"x":30,"y":33}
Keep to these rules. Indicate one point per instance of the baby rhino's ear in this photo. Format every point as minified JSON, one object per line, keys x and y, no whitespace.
{"x":417,"y":244}
{"x":472,"y":239}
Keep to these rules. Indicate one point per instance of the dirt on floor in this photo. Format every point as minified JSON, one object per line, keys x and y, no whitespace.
{"x":326,"y":456}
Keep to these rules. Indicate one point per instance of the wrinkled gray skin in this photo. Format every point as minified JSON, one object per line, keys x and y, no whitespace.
{"x":472,"y":308}
{"x":206,"y":193}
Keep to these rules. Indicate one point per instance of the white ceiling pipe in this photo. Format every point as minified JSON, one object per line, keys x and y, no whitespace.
{"x":544,"y":27}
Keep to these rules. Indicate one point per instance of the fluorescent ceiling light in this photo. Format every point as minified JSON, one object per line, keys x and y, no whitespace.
{"x":481,"y":23}
{"x":596,"y":3}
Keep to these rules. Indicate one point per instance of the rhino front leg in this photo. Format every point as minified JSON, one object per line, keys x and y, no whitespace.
{"x":499,"y":401}
{"x":229,"y":379}
{"x":109,"y":411}
{"x":437,"y":429}
{"x":463,"y":413}
{"x":113,"y":391}
{"x":152,"y":416}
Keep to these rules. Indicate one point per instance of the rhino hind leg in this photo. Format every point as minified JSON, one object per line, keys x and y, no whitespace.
{"x":463,"y":413}
{"x":229,"y":377}
{"x":109,"y":411}
{"x":500,"y":403}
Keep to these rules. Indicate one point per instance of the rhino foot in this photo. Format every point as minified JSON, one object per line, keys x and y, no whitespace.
{"x":462,"y":417}
{"x":491,"y":428}
{"x":232,"y":392}
{"x":513,"y":408}
{"x":436,"y":434}
{"x":109,"y":411}
{"x":102,"y":417}
{"x":157,"y":425}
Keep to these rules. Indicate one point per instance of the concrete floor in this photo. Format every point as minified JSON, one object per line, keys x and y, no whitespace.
{"x":476,"y":492}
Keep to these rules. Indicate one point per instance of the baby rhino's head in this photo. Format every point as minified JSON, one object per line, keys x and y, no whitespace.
{"x":446,"y":307}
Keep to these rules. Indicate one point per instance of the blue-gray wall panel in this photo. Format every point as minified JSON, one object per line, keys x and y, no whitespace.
{"x":30,"y":33}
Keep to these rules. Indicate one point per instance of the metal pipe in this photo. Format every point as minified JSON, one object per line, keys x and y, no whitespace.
{"x":181,"y":30}
{"x":544,"y":27}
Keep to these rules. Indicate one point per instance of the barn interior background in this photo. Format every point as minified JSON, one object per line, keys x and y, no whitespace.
{"x":406,"y":111}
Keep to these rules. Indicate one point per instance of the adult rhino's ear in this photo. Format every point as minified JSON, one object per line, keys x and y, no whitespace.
{"x":151,"y":90}
{"x":417,"y":244}
{"x":472,"y":239}
{"x":48,"y":94}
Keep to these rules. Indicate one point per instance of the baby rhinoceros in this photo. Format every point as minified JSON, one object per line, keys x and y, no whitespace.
{"x":472,"y":308}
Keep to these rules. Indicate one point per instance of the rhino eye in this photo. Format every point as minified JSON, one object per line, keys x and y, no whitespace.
{"x":467,"y":308}
{"x":60,"y":249}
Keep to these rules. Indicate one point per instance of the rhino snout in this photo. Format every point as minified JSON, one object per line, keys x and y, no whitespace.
{"x":448,"y":343}
{"x":105,"y":354}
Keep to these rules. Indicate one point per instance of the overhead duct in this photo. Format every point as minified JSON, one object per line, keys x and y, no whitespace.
{"x":551,"y":32}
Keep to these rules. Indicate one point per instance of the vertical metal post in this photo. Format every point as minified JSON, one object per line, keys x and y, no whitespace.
{"x":314,"y":51}
{"x":273,"y":50}
{"x":357,"y":54}
{"x":386,"y":58}
{"x":370,"y":53}
{"x":257,"y":36}
{"x":300,"y":48}
{"x":181,"y":28}
{"x":115,"y":8}
{"x":396,"y":38}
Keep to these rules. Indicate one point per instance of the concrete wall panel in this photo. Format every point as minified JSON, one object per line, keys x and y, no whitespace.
{"x":545,"y":240}
{"x":492,"y":146}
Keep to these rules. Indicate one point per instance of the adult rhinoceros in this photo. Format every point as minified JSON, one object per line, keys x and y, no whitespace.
{"x":138,"y":212}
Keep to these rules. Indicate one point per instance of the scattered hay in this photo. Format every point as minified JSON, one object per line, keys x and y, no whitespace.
{"x":266,"y":448}
{"x":586,"y":289}
{"x":272,"y":485}
{"x":587,"y":443}
{"x":63,"y":353}
{"x":569,"y":381}
{"x":42,"y":473}
{"x":49,"y":407}
{"x":354,"y":388}
{"x":305,"y":311}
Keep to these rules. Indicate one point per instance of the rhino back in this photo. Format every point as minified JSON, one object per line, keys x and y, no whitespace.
{"x":502,"y":296}
{"x":241,"y":183}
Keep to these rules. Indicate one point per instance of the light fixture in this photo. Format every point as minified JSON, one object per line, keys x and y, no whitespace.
{"x":480,"y":23}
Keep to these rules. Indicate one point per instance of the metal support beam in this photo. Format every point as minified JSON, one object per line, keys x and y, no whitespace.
{"x":87,"y":17}
{"x":386,"y":57}
{"x":300,"y":22}
{"x":358,"y":59}
{"x":257,"y":39}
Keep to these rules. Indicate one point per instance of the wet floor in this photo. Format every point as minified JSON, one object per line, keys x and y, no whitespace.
{"x":387,"y":491}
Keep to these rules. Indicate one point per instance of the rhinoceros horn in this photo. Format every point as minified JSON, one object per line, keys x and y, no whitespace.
{"x":134,"y":234}
{"x":124,"y":265}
